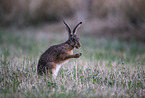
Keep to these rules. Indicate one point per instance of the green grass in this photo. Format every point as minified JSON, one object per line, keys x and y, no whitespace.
{"x":114,"y":68}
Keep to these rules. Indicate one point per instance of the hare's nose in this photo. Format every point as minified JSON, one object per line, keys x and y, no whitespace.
{"x":79,"y":44}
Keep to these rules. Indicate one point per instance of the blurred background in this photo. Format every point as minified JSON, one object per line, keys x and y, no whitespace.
{"x":108,"y":18}
{"x":112,"y":35}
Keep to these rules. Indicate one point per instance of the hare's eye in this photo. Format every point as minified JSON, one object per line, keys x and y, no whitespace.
{"x":73,"y":39}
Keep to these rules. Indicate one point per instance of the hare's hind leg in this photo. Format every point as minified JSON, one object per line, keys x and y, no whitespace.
{"x":49,"y":68}
{"x":40,"y":69}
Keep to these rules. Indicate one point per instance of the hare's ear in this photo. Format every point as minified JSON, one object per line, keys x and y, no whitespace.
{"x":74,"y":30}
{"x":68,"y":28}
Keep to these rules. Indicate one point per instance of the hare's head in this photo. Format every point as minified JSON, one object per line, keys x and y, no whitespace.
{"x":73,"y":39}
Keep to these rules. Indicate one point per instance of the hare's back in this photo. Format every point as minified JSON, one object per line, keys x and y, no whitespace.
{"x":51,"y":53}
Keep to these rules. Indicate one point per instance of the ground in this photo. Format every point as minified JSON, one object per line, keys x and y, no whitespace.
{"x":107,"y":67}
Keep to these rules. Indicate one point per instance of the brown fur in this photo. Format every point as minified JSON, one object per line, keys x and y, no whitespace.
{"x":58,"y":54}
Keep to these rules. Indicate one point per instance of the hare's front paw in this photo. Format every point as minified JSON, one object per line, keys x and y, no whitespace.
{"x":78,"y":55}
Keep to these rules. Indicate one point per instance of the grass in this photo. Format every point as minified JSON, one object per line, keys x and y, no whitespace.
{"x":108,"y":67}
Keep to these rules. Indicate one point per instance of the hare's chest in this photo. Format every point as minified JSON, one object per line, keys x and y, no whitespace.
{"x":70,"y":52}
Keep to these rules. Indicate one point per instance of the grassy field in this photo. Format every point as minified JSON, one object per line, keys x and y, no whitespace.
{"x":108,"y":67}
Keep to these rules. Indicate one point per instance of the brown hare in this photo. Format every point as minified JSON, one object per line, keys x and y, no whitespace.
{"x":52,"y":59}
